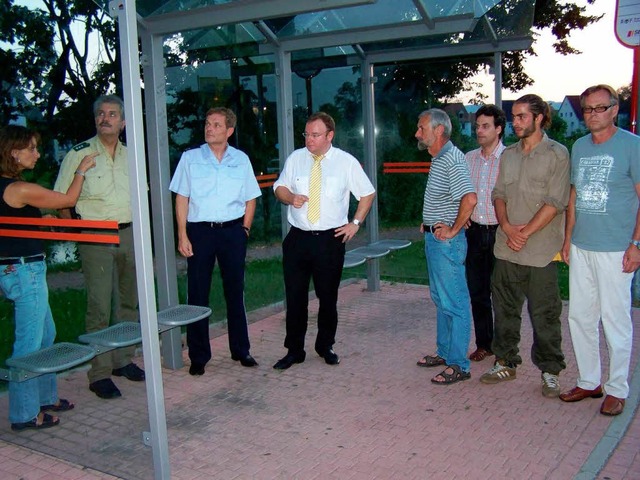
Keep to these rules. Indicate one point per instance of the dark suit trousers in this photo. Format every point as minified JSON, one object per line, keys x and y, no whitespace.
{"x":318,"y":256}
{"x":229,"y":247}
{"x":479,"y":265}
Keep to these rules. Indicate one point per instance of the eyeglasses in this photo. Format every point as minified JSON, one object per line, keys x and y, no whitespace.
{"x":314,"y":135}
{"x":601,"y":109}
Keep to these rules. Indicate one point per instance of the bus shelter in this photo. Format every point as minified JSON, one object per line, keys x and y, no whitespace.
{"x":269,"y":41}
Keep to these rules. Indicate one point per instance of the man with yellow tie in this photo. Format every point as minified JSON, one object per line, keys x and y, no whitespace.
{"x":315,"y":183}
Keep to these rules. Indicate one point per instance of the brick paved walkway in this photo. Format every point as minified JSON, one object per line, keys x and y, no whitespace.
{"x":375,"y":416}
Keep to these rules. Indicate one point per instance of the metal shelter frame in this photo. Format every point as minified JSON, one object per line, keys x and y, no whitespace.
{"x":367,"y":46}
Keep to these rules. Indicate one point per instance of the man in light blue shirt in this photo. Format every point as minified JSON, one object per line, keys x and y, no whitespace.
{"x":216,"y":193}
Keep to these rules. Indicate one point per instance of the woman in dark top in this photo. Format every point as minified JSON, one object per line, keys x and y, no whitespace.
{"x":23,"y":274}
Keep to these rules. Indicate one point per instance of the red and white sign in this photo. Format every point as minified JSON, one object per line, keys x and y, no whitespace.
{"x":627,"y":24}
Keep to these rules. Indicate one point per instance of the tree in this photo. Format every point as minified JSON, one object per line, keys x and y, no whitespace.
{"x":58,"y":72}
{"x":558,"y":128}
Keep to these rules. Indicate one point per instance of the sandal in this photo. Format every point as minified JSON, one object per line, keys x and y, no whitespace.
{"x":431,"y":361}
{"x":480,"y":354}
{"x":46,"y":422}
{"x":62,"y":405}
{"x":456,"y":376}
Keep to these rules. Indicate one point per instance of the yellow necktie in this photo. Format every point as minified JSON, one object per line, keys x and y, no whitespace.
{"x":315,"y":184}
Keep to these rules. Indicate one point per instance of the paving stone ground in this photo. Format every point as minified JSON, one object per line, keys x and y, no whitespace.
{"x":374,"y":416}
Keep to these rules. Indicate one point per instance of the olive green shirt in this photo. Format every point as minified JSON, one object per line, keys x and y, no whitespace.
{"x":105,"y":191}
{"x":526,"y":183}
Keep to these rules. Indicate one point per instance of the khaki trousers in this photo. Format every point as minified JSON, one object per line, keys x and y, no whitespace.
{"x":112,"y":296}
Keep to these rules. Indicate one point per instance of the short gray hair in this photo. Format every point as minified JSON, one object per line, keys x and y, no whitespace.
{"x":438,"y":117}
{"x":113,"y":99}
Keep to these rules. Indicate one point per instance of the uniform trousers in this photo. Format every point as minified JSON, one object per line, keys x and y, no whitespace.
{"x":599,"y":291}
{"x":318,"y":256}
{"x":511,"y":284}
{"x":112,"y":296}
{"x":227,"y":245}
{"x":479,"y":266}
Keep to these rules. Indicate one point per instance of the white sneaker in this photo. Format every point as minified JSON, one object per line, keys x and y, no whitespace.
{"x":499,"y":373}
{"x":550,"y":385}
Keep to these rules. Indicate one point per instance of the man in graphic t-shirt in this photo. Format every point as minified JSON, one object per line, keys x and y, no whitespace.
{"x":602,"y":248}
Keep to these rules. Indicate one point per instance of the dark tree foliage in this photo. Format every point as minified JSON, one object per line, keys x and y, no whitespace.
{"x":441,"y":81}
{"x":51,"y":69}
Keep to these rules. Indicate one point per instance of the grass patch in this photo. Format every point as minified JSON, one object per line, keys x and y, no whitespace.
{"x":264,"y":285}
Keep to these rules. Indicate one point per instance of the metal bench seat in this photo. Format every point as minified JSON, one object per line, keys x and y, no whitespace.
{"x":353,"y":259}
{"x":370,"y":251}
{"x":116,"y":336}
{"x":391,"y":244}
{"x":180,"y":315}
{"x":60,"y":356}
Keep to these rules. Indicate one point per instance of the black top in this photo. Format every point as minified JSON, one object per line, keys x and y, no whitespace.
{"x":15,"y":246}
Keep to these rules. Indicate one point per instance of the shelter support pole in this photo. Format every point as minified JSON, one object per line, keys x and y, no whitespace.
{"x":497,"y":70}
{"x":159,"y":173}
{"x":370,"y":166}
{"x":125,"y":12}
{"x":284,"y":101}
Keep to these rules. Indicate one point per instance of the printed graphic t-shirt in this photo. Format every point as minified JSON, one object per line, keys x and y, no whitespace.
{"x":605,"y":176}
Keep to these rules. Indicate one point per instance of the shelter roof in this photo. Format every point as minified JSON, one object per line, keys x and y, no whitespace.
{"x":340,"y":31}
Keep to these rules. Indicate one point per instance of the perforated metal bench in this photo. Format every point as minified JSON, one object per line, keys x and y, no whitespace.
{"x":63,"y":356}
{"x":379,"y":249}
{"x":116,"y":336}
{"x":180,"y":315}
{"x":391,"y":244}
{"x":353,"y":259}
{"x":58,"y":357}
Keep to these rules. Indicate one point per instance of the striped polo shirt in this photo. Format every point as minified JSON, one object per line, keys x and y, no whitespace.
{"x":449,"y":180}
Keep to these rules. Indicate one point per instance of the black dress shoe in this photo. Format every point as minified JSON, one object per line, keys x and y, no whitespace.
{"x":330,"y":357}
{"x":289,"y":359}
{"x":105,"y":388}
{"x":130,"y":372}
{"x":245,"y":360}
{"x":196,"y":369}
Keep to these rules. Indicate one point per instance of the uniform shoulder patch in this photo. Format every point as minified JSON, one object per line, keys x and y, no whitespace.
{"x":81,"y":146}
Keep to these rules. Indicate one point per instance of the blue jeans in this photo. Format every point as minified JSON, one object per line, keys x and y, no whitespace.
{"x":26,"y":285}
{"x":449,"y":292}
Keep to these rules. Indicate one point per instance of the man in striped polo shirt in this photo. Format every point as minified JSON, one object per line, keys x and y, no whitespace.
{"x":449,"y":199}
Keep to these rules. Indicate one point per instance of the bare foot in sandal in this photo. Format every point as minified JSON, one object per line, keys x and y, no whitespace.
{"x":42,"y":420}
{"x":449,"y":375}
{"x":430,"y":361}
{"x":62,"y":405}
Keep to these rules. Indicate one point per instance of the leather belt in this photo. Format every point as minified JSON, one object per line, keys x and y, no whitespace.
{"x":430,"y":228}
{"x":230,"y":223}
{"x":480,"y":225}
{"x":314,"y":232}
{"x":29,"y":259}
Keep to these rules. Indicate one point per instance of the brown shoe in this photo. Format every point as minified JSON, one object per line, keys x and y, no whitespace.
{"x":576,"y":394}
{"x":612,"y":406}
{"x":480,"y":354}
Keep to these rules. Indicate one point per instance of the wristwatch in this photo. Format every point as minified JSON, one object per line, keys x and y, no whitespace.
{"x":355,"y":221}
{"x":636,"y":243}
